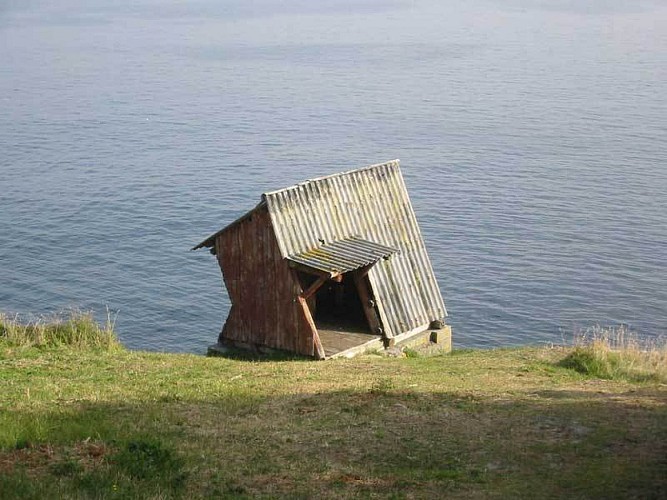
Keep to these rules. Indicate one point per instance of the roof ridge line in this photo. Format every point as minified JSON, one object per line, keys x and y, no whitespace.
{"x":395,"y":162}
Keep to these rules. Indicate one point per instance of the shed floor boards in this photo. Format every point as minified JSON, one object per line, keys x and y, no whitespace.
{"x":336,"y":339}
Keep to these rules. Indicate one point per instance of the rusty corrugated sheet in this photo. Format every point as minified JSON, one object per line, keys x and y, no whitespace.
{"x":371,"y":203}
{"x":343,"y":255}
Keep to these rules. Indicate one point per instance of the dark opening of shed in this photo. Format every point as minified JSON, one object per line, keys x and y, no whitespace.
{"x":330,"y":267}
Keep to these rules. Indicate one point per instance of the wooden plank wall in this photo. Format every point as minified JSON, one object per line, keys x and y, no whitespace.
{"x":262,"y":288}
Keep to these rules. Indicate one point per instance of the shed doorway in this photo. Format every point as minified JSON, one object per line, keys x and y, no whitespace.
{"x":338,"y":311}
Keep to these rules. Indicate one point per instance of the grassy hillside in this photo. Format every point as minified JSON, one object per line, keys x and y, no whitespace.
{"x":101,"y":422}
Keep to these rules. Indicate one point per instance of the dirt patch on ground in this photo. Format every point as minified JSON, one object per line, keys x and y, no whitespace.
{"x":35,"y":460}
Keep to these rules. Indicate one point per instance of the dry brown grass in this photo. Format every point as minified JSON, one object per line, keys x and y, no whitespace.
{"x":618,"y":353}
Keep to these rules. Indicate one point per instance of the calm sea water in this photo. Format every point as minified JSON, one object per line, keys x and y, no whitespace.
{"x":532,"y":134}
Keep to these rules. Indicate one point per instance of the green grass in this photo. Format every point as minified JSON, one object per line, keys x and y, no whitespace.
{"x":508,"y":423}
{"x":72,"y":328}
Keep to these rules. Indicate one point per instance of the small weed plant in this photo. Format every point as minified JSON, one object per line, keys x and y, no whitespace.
{"x":617,"y":353}
{"x":382,"y":387}
{"x":146,"y":459}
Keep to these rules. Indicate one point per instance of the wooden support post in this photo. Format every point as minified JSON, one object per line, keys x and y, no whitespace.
{"x":363,"y":271}
{"x":302,"y":298}
{"x":317,"y":343}
{"x":361,"y":282}
{"x":314,"y":287}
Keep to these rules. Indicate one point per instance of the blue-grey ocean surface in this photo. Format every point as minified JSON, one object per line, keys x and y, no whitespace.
{"x":532,"y":134}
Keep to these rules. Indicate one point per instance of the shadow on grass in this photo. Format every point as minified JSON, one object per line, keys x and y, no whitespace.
{"x":341,"y":444}
{"x":239,"y":354}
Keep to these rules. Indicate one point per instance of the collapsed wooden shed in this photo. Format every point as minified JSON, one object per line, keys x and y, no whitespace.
{"x":330,"y":267}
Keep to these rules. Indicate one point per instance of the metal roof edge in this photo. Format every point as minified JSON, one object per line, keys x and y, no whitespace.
{"x":208,"y":242}
{"x":395,"y":162}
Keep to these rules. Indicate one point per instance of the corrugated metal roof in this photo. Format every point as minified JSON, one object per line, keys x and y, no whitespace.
{"x":343,"y":255}
{"x":371,"y":203}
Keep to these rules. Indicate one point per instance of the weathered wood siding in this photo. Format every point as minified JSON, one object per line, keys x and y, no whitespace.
{"x":262,"y":288}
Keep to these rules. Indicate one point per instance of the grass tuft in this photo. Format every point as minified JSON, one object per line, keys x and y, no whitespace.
{"x":71,"y":328}
{"x":616,"y":353}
